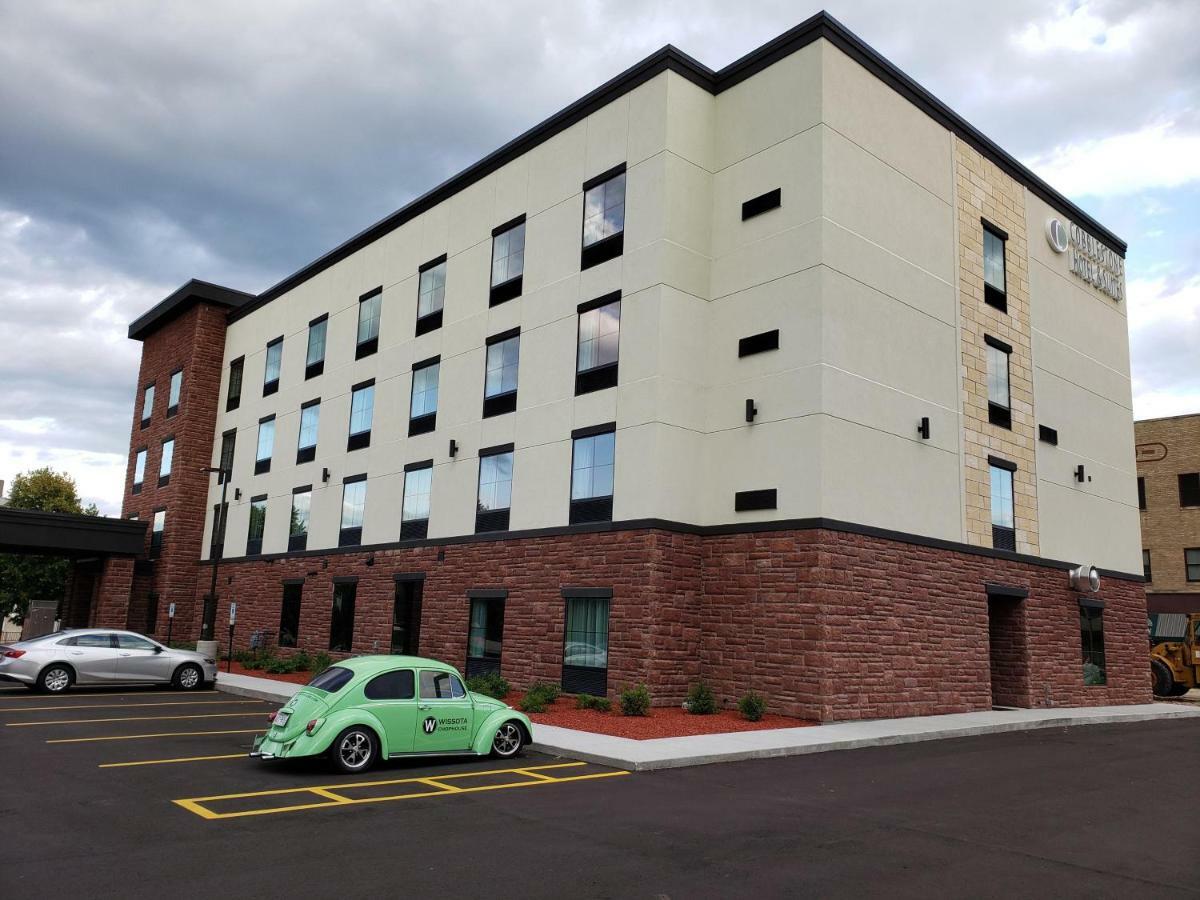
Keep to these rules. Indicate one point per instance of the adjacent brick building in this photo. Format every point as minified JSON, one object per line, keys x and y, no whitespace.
{"x":1168,"y":465}
{"x":808,"y":405}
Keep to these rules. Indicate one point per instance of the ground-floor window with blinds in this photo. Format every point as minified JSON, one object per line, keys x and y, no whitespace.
{"x":585,"y":641}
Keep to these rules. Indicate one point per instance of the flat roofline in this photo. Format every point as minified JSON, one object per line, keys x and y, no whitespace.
{"x":183,"y":299}
{"x":1192,"y":415}
{"x":69,"y":534}
{"x":671,"y":59}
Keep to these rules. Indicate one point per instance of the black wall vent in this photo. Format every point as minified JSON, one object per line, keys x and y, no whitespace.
{"x":743,"y":501}
{"x":756,"y":206}
{"x":759,"y":343}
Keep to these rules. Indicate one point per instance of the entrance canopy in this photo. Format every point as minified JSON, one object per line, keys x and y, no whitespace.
{"x":66,"y":534}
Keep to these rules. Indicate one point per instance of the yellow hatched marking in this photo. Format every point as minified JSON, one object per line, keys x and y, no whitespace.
{"x":531,"y":774}
{"x":329,"y":795}
{"x":131,"y":719}
{"x":161,"y":762}
{"x":134,"y":737}
{"x":129,"y":705}
{"x":433,"y":782}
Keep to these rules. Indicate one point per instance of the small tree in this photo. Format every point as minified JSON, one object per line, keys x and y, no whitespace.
{"x":26,"y":578}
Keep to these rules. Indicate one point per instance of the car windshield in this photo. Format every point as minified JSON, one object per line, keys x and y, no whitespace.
{"x":332,"y":679}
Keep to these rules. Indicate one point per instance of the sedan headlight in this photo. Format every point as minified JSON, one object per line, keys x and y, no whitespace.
{"x":211,"y":662}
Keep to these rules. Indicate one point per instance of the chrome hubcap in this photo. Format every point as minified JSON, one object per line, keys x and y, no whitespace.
{"x":508,"y":739}
{"x":355,"y":750}
{"x":189,"y":677}
{"x":57,"y":680}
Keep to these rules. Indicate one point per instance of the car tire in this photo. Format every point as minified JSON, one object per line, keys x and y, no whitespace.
{"x":508,"y":740}
{"x":56,"y":678}
{"x":354,"y":750}
{"x":1164,"y":681}
{"x":187,"y":677}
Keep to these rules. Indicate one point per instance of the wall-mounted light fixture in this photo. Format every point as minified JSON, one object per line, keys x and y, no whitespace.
{"x":751,"y":410}
{"x":237,"y":493}
{"x":923,"y":428}
{"x":371,"y":560}
{"x":1079,"y":473}
{"x":324,"y":474}
{"x":453,"y":447}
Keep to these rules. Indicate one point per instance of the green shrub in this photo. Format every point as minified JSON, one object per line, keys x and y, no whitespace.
{"x":303,"y":661}
{"x":548,"y":690}
{"x":491,"y":684}
{"x":752,"y":706}
{"x":533,"y":702}
{"x":280,"y":665}
{"x":321,"y":661}
{"x":700,"y":700}
{"x":587,"y":701}
{"x":635,"y":701}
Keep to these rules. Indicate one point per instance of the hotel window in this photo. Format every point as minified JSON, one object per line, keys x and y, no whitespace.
{"x":585,"y":641}
{"x":495,"y":489}
{"x":272,"y":366}
{"x":306,"y":444}
{"x":298,"y":522}
{"x":289,"y":613}
{"x":258,"y":524}
{"x":994,"y":290}
{"x":266,"y":444}
{"x":599,"y":339}
{"x":139,"y":470}
{"x":1146,"y":571}
{"x":362,"y":413}
{"x":500,"y":373}
{"x":216,"y":543}
{"x":603,"y":217}
{"x":234,"y":398}
{"x":354,"y":502}
{"x":1141,"y":492}
{"x":165,"y":461}
{"x":173,"y":392}
{"x":423,"y":402}
{"x":485,"y":632}
{"x":508,"y":261}
{"x":1189,"y":489}
{"x":225,"y":464}
{"x":314,"y":360}
{"x":1191,"y":563}
{"x":1091,"y":631}
{"x":431,"y":294}
{"x":1004,"y":535}
{"x":341,"y":621}
{"x":147,"y":404}
{"x":369,"y":310}
{"x":156,"y":532}
{"x":999,"y":392}
{"x":592,"y":474}
{"x":414,"y":515}
{"x":406,"y":615}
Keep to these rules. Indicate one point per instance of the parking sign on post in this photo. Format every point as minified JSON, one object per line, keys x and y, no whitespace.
{"x":232,"y":620}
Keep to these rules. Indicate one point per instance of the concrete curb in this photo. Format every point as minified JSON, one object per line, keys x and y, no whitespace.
{"x":257,"y":688}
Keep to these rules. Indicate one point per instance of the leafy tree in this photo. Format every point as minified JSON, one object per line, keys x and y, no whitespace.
{"x":25,"y":578}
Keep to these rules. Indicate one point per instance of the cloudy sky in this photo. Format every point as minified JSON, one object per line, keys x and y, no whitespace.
{"x":145,"y":143}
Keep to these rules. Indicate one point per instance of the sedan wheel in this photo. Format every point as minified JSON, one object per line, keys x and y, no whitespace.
{"x":55,"y":679}
{"x":354,"y":750}
{"x":188,"y":678}
{"x":508,"y":740}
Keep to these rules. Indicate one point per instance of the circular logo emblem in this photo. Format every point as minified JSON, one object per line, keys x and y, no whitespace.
{"x":430,"y":725}
{"x":1056,"y":235}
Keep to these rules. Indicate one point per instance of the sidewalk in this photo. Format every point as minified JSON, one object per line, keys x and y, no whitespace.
{"x":669,"y":753}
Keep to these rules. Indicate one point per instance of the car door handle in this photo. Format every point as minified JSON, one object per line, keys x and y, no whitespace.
{"x":127,"y":654}
{"x":77,"y":653}
{"x":423,"y":706}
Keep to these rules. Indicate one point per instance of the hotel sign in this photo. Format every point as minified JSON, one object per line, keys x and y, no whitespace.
{"x":1090,"y":259}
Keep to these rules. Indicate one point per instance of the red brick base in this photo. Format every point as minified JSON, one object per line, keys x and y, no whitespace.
{"x":825,"y":624}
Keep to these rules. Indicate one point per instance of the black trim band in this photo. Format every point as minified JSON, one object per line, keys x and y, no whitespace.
{"x":426,"y":363}
{"x":503,"y":336}
{"x":432,"y":264}
{"x":509,"y":225}
{"x":370,"y":382}
{"x":592,"y":430}
{"x":318,"y":320}
{"x":579,"y":593}
{"x":589,"y":305}
{"x":1007,"y":591}
{"x":303,"y":489}
{"x":354,"y":479}
{"x":603,"y":177}
{"x":998,"y":344}
{"x":408,"y":576}
{"x":487,"y":594}
{"x":371,"y":293}
{"x":415,"y":466}
{"x":306,"y":405}
{"x":344,"y":579}
{"x":1001,"y":463}
{"x":497,"y":450}
{"x":265,"y":419}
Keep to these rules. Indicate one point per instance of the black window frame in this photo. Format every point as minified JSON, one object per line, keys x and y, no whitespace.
{"x":341,"y":634}
{"x":290,"y":604}
{"x":1003,"y":537}
{"x":512,"y":287}
{"x":993,"y":296}
{"x":365,"y":348}
{"x":1189,"y":490}
{"x":494,"y":519}
{"x":351,"y":536}
{"x":315,"y":367}
{"x":153,"y":391}
{"x":299,"y":540}
{"x":1141,"y":483}
{"x":136,"y":487}
{"x":357,"y":440}
{"x":409,"y":593}
{"x":216,"y":539}
{"x":233,"y":399}
{"x":596,"y":508}
{"x":577,"y":679}
{"x":1147,"y":568}
{"x":608,"y":247}
{"x":156,"y":534}
{"x":164,"y":480}
{"x":605,"y":375}
{"x":225,"y":459}
{"x":415,"y":529}
{"x":505,"y":401}
{"x":262,"y":465}
{"x":1191,"y":570}
{"x":426,"y":422}
{"x":490,"y":600}
{"x":306,"y":454}
{"x":431,"y":321}
{"x":253,"y":544}
{"x":272,"y":386}
{"x":173,"y":408}
{"x":998,"y":414}
{"x":1091,"y":633}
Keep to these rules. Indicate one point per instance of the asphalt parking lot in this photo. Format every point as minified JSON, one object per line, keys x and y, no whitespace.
{"x":107,"y":791}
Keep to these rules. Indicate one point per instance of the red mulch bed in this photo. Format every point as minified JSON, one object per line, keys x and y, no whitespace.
{"x":239,"y":669}
{"x":662,"y":722}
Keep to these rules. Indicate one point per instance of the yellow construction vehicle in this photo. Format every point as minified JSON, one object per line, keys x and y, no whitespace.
{"x":1175,"y":653}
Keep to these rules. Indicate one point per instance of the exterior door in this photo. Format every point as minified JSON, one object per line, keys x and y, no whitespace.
{"x":406,"y":618}
{"x":393,"y":700}
{"x":93,"y":657}
{"x":141,"y":660}
{"x":444,"y":714}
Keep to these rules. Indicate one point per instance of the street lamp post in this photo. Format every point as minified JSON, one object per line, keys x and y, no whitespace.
{"x":209,"y":621}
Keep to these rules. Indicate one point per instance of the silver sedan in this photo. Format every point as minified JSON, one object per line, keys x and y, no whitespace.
{"x":54,"y":662}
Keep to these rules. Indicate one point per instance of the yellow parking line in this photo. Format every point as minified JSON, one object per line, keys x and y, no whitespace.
{"x":178,"y":759}
{"x":433,"y":782}
{"x":133,"y":719}
{"x":128,"y":705}
{"x":134,"y":737}
{"x":80,"y":695}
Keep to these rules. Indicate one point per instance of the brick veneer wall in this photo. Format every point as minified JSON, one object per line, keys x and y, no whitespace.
{"x":1167,"y":448}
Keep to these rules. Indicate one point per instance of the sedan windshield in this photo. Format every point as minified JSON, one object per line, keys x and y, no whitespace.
{"x":332,"y":679}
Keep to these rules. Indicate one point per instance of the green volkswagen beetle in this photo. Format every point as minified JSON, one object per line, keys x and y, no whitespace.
{"x":373,"y":707}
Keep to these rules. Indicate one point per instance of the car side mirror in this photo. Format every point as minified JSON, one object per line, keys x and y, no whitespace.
{"x":158,"y":649}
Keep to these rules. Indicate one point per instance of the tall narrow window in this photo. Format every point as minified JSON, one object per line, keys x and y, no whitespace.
{"x":266,"y":445}
{"x":1141,"y":492}
{"x":341,"y":622}
{"x":306,"y":443}
{"x":406,"y":616}
{"x":431,"y":294}
{"x":362,"y":414}
{"x":603,"y":217}
{"x":508,"y":261}
{"x":1189,"y":489}
{"x":258,"y":524}
{"x":314,"y":360}
{"x":165,"y":461}
{"x":423,"y":403}
{"x":500,"y":373}
{"x":370,"y":306}
{"x":289,"y":613}
{"x":1146,"y":571}
{"x":298,"y":522}
{"x":585,"y":641}
{"x":995,"y":292}
{"x":1191,"y":563}
{"x":233,"y":399}
{"x":599,"y":341}
{"x":414,"y":515}
{"x":485,"y":633}
{"x":272,"y":366}
{"x":495,"y":488}
{"x":225,"y":464}
{"x":354,"y":503}
{"x":216,"y":543}
{"x":1091,"y":628}
{"x":1004,"y":535}
{"x":147,"y":404}
{"x":139,"y":470}
{"x":999,"y":393}
{"x":174,"y":392}
{"x":592,"y":474}
{"x":157,"y":528}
